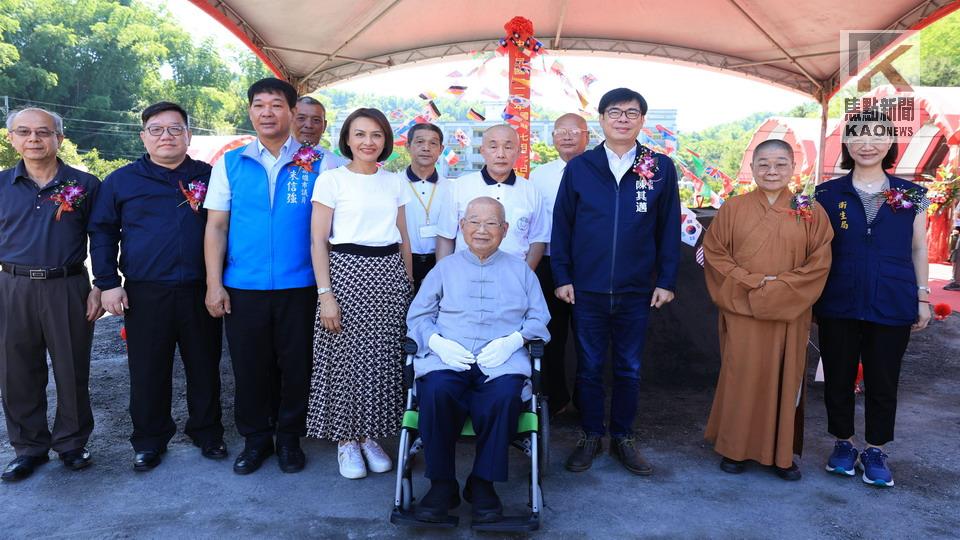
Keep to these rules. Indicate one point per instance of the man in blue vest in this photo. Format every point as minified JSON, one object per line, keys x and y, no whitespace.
{"x":259,"y":277}
{"x":615,"y":250}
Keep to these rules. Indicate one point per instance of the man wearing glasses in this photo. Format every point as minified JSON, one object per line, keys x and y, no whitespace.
{"x":615,"y":249}
{"x":149,"y":212}
{"x":46,"y":303}
{"x":570,"y":138}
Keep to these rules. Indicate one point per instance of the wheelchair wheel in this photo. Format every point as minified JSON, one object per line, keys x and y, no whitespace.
{"x":406,"y":494}
{"x":544,"y":446}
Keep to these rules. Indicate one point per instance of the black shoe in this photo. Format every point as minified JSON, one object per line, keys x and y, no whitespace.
{"x":251,"y":458}
{"x":291,"y":459}
{"x":487,"y":507}
{"x":76,"y":459}
{"x":732,"y":466}
{"x":791,"y":474}
{"x":444,"y":495}
{"x":214,"y":449}
{"x":22,"y":467}
{"x":625,"y":449}
{"x":147,"y":459}
{"x":587,"y":448}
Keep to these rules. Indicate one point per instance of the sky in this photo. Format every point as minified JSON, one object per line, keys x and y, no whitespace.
{"x":702,"y":98}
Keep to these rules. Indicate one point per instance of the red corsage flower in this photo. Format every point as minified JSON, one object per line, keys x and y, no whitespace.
{"x":645,"y":165}
{"x":194,"y":193}
{"x":941,"y":311}
{"x":802,"y":206}
{"x":67,"y":196}
{"x":899,"y":198}
{"x":305,"y":157}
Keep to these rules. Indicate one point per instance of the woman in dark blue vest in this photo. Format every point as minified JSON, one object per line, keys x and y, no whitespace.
{"x":876,"y":292}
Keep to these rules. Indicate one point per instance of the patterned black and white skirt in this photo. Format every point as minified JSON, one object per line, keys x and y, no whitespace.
{"x":357,"y":386}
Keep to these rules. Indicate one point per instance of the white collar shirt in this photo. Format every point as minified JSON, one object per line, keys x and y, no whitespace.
{"x":619,"y":165}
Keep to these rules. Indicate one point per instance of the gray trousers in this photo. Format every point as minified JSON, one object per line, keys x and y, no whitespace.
{"x":37,"y":316}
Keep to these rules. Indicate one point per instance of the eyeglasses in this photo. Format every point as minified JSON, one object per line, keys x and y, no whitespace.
{"x":157,"y":131}
{"x":563,"y":133}
{"x":485,"y":224}
{"x":613,"y":114}
{"x":779,"y":167}
{"x":42,"y":133}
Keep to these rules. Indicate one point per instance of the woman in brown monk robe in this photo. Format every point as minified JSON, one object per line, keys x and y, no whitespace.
{"x":767,"y":256}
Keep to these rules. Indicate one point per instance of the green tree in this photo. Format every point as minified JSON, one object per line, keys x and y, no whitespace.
{"x":545,"y":153}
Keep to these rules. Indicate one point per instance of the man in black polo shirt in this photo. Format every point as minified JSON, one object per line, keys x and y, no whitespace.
{"x":151,"y":212}
{"x":46,"y":303}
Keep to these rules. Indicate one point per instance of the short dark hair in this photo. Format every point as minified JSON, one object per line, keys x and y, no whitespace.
{"x":273,"y":85}
{"x":161,"y":107}
{"x":376,"y":116}
{"x":622,"y":95}
{"x":872,"y":116}
{"x":426,"y":125}
{"x":311,"y":101}
{"x":773,"y":143}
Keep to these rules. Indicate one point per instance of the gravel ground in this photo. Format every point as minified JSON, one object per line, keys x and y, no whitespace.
{"x":688,"y":496}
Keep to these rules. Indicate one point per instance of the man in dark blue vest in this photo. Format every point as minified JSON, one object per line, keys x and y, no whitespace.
{"x":260,"y":278}
{"x":149,"y":213}
{"x":615,"y":251}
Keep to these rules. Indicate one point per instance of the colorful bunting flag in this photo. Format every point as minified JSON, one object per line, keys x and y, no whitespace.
{"x":461,"y":137}
{"x":396,"y":114}
{"x":450,"y":157}
{"x":583,"y":100}
{"x":474,"y":115}
{"x":427,"y":96}
{"x":454,"y":74}
{"x":690,"y":227}
{"x":432,"y":110}
{"x":588,"y":79}
{"x":457,"y":90}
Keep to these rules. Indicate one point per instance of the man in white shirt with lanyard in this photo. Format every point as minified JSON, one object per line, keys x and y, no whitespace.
{"x":309,"y":124}
{"x":529,"y":224}
{"x":424,"y":143}
{"x":570,"y":138}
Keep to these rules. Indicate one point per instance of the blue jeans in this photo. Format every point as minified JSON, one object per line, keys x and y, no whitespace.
{"x":602,"y":322}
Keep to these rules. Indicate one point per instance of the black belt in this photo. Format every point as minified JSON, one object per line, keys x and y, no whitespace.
{"x":43,"y":273}
{"x":366,"y":251}
{"x":425,"y":257}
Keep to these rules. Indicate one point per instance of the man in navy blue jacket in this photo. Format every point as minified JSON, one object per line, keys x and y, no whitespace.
{"x":615,"y":250}
{"x":150,"y":212}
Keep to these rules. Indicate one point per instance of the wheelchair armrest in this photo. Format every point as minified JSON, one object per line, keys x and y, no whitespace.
{"x":409,"y":350}
{"x":536,"y":348}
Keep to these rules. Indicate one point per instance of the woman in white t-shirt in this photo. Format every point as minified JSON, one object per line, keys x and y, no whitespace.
{"x":362,"y":262}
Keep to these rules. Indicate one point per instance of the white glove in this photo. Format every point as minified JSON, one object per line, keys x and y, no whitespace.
{"x":499,"y":350}
{"x":451,"y":353}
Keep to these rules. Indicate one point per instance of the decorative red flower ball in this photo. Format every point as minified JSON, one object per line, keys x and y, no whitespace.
{"x":941,"y":311}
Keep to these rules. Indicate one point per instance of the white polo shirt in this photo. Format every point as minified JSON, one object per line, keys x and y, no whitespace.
{"x":546,"y":178}
{"x":424,"y":209}
{"x":365,"y":206}
{"x":521,"y":200}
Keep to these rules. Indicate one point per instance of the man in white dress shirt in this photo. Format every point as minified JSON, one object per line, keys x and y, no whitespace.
{"x":570,"y":138}
{"x":424,"y":143}
{"x":529,"y":224}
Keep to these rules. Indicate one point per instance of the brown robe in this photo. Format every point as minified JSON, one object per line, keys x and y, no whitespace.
{"x":757,"y":410}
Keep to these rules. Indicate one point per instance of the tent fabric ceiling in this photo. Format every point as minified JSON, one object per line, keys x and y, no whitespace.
{"x":788,"y":43}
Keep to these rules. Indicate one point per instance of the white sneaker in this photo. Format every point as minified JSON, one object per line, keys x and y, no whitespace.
{"x":377,"y":459}
{"x":351,"y":462}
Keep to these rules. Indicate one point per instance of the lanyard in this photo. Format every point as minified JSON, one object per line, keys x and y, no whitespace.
{"x":429,"y":203}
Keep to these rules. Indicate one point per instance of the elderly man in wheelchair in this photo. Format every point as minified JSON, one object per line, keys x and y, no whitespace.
{"x":474,"y":314}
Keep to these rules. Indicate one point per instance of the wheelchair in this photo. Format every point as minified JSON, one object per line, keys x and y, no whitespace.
{"x":532,"y":438}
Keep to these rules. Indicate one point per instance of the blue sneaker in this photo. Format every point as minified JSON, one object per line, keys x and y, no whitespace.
{"x":874,"y":464}
{"x":843,"y":460}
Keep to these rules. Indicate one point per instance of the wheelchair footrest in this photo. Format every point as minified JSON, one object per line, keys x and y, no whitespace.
{"x":408,"y":519}
{"x":510,"y":524}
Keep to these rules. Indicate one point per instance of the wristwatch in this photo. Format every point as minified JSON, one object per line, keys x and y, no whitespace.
{"x":323,"y":290}
{"x":923,"y":288}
